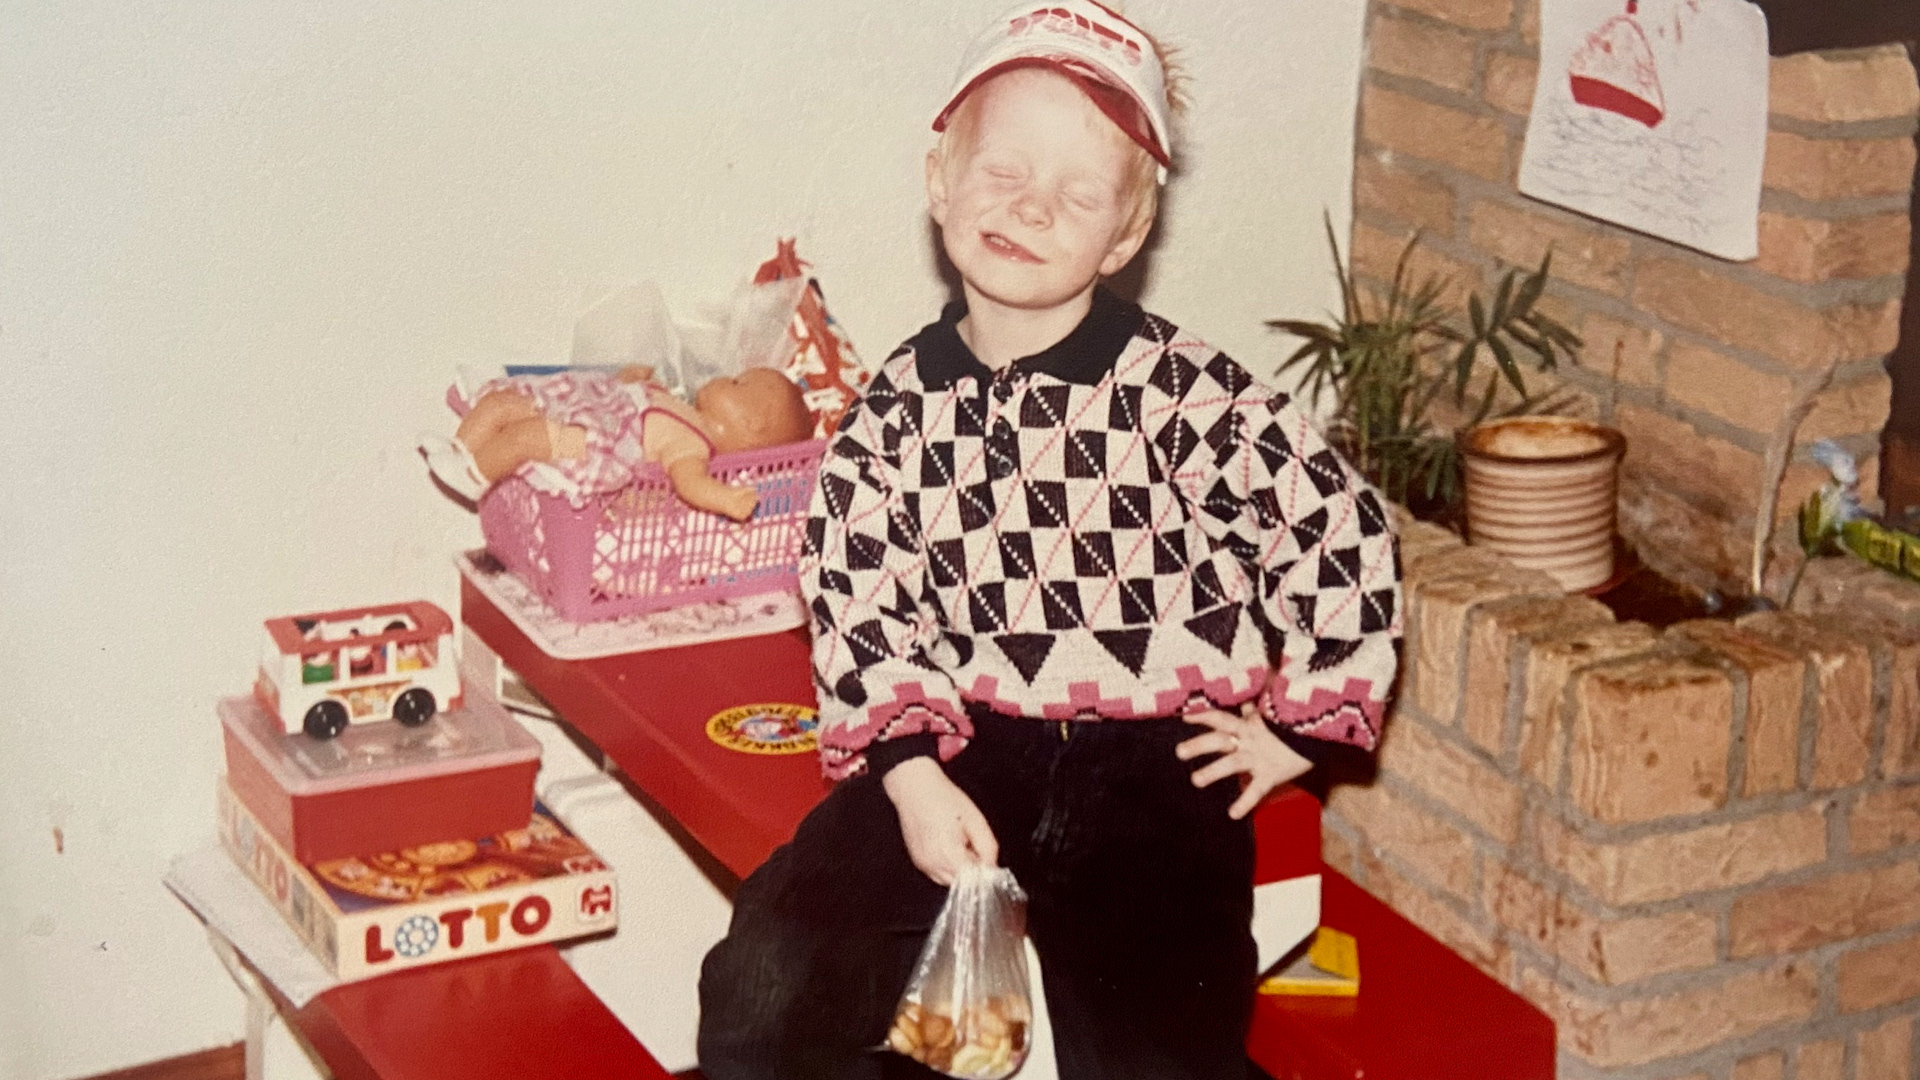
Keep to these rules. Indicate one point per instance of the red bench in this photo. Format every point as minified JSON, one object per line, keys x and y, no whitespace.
{"x":523,"y":1014}
{"x":1423,"y":1013}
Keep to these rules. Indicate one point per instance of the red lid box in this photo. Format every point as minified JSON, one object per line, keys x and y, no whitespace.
{"x":381,"y":786}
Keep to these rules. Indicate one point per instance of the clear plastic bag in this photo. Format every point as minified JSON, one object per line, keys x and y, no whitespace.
{"x":631,"y":326}
{"x":776,"y":318}
{"x":967,"y":1012}
{"x":750,"y":331}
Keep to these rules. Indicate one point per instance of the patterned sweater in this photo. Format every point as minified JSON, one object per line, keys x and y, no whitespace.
{"x":1126,"y":525}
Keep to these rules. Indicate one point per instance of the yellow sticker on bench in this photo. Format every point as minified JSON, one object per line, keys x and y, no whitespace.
{"x":765,"y":729}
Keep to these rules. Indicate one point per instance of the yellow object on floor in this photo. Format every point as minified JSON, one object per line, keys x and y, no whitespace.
{"x":1329,"y":968}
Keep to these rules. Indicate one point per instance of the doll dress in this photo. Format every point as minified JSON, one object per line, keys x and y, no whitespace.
{"x":614,"y":415}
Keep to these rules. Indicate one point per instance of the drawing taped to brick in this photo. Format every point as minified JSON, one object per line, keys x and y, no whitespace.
{"x":1652,"y":114}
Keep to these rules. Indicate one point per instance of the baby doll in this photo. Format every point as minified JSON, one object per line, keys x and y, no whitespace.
{"x":598,"y":427}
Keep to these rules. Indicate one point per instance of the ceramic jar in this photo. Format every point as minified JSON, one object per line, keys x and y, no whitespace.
{"x":1542,"y":491}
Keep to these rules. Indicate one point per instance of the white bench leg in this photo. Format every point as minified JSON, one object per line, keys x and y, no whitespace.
{"x":272,"y":1048}
{"x":260,"y":1010}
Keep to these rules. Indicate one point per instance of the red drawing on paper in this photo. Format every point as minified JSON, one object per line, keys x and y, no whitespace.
{"x":1614,"y":70}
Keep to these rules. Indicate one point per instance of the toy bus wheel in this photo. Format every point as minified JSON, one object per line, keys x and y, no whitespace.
{"x":415,"y":706}
{"x":325,"y":719}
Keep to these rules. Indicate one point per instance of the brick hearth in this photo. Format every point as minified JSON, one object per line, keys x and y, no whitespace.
{"x":1697,"y":849}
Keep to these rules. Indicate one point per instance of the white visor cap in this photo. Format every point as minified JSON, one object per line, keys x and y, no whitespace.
{"x":1099,"y":49}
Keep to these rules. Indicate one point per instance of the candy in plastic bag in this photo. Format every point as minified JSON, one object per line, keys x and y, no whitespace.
{"x":966,"y":1012}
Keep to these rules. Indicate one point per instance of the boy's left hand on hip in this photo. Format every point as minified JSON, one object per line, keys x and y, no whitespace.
{"x":1247,"y":746}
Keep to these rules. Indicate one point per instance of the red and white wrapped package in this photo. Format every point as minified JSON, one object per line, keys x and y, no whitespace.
{"x":819,"y":356}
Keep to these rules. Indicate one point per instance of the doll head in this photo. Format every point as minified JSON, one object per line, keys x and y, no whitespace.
{"x":759,"y":407}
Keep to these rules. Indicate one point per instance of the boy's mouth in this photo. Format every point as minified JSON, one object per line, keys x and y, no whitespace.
{"x":1000,"y":245}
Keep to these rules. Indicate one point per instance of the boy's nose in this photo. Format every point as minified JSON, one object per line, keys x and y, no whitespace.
{"x":1032,"y":209}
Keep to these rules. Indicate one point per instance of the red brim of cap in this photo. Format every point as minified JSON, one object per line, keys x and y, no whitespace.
{"x":1115,"y":102}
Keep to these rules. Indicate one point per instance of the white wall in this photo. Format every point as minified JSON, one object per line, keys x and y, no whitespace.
{"x":242,"y":247}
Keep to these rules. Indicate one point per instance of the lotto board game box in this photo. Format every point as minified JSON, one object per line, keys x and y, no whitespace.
{"x":447,"y":900}
{"x":381,"y":786}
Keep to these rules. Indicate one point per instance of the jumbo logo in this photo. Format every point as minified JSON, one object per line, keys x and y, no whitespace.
{"x":1055,"y":20}
{"x":419,"y":935}
{"x":595,"y":901}
{"x":267,"y":868}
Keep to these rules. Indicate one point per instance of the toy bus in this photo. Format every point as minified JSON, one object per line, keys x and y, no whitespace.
{"x":322,"y":671}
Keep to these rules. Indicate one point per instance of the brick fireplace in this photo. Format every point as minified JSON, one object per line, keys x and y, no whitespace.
{"x":1697,"y":360}
{"x":1697,"y":847}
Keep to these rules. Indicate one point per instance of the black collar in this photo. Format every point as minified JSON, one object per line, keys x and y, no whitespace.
{"x":1084,"y":356}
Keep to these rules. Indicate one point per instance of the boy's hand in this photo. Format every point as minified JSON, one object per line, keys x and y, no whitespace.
{"x":1246,"y":745}
{"x":943,"y":829}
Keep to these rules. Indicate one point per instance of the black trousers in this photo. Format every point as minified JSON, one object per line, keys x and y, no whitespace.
{"x":1140,"y":895}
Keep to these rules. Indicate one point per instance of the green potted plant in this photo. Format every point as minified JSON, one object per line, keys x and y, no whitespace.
{"x":1392,"y":360}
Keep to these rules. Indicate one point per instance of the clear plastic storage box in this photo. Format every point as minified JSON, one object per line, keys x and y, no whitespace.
{"x":382,"y":786}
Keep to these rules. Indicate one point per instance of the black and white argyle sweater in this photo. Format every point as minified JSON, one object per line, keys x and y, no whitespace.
{"x":1126,"y":525}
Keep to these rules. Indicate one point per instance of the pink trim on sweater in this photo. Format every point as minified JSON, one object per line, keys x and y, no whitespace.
{"x":1352,"y":714}
{"x":843,"y":747}
{"x":983,"y":692}
{"x":1084,"y":700}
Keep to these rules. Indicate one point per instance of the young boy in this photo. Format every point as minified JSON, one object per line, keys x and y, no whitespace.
{"x":1061,"y":551}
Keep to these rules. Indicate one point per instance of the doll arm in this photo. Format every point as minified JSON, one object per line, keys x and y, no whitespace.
{"x":697,"y":489}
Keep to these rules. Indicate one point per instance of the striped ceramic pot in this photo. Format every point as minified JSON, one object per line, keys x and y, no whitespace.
{"x":1542,"y":490}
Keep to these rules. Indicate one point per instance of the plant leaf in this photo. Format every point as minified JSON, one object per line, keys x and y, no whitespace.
{"x":1531,"y":288}
{"x":1486,"y":401}
{"x":1394,"y":348}
{"x":1500,"y":300}
{"x":1538,"y":345}
{"x":1349,"y":303}
{"x":1546,"y":324}
{"x":1549,"y":405}
{"x":1303,"y":328}
{"x":1313,"y":333}
{"x":1397,"y":295}
{"x":1504,"y":356}
{"x":1463,"y":367}
{"x":1314,"y":351}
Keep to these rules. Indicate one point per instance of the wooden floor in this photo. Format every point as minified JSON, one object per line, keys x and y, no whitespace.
{"x":219,"y":1063}
{"x":229,"y":1063}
